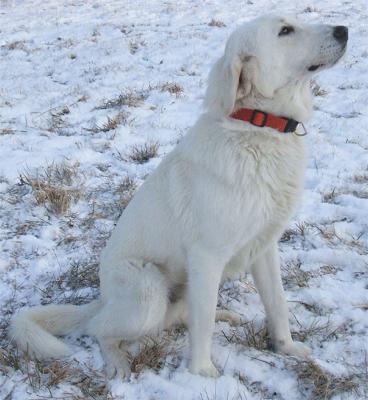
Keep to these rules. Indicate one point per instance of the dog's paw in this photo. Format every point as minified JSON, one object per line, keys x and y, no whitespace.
{"x":119,"y":369}
{"x":296,"y":349}
{"x":208,"y":370}
{"x":228,"y":316}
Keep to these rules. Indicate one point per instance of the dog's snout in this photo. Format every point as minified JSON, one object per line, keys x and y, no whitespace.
{"x":340,"y":33}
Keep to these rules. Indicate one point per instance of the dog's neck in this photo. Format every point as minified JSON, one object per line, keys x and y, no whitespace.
{"x":294,"y":101}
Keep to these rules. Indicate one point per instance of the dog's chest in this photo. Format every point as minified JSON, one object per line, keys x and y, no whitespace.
{"x":264,"y":188}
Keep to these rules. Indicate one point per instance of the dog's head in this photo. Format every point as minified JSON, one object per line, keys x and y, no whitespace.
{"x":271,"y":55}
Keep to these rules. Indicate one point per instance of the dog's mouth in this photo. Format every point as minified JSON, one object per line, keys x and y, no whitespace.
{"x":314,"y":67}
{"x":332,"y":58}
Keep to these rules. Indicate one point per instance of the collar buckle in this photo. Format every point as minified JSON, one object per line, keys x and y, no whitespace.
{"x":258,"y":118}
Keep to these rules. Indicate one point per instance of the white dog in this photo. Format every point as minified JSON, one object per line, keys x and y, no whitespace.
{"x":214,"y":208}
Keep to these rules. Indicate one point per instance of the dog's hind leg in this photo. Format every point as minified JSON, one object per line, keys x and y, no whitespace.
{"x":231,"y":317}
{"x":177,"y":314}
{"x":135,"y":297}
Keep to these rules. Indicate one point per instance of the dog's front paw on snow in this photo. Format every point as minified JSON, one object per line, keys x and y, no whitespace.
{"x":296,"y":349}
{"x":207,"y":370}
{"x":120,"y":369}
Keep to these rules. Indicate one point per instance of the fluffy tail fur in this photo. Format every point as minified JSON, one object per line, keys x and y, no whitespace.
{"x":33,"y":329}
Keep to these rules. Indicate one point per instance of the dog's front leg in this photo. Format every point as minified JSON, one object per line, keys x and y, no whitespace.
{"x":204,"y":275}
{"x":267,"y":276}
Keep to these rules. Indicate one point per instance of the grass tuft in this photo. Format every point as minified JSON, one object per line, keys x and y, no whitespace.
{"x":250,"y":334}
{"x":82,"y":274}
{"x":317,"y":90}
{"x":53,"y":186}
{"x":293,"y":274}
{"x":140,"y":154}
{"x":321,"y":384}
{"x":172,"y":88}
{"x":154,"y":354}
{"x":127,"y":98}
{"x":217,"y":23}
{"x":7,"y":131}
{"x":111,"y":123}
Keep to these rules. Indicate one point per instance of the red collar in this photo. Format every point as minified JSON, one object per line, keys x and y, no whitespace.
{"x":261,"y":119}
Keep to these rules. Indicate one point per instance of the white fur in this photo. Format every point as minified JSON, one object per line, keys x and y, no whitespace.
{"x":213,"y":209}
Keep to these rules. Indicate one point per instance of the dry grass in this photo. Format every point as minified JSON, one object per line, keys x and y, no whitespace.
{"x":53,"y":186}
{"x":48,"y":375}
{"x":56,"y":121}
{"x":330,"y":197}
{"x":317,"y":90}
{"x":7,"y":131}
{"x":311,"y":9}
{"x":172,"y":88}
{"x":125,"y":191}
{"x":323,"y":330}
{"x":293,"y":274}
{"x":361,"y":178}
{"x":128,"y":98}
{"x":140,"y":154}
{"x":16,"y":45}
{"x":300,"y":229}
{"x":110,"y":124}
{"x":134,"y":45}
{"x":154,"y":354}
{"x":237,"y":396}
{"x":216,"y":23}
{"x":81,"y":275}
{"x":321,"y":384}
{"x":234,"y":291}
{"x":327,"y":232}
{"x":249,"y":334}
{"x":9,"y":358}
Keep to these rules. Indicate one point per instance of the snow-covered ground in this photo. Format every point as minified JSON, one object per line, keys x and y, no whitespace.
{"x":88,"y":90}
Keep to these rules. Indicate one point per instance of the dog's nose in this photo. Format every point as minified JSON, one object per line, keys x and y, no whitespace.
{"x":340,"y":33}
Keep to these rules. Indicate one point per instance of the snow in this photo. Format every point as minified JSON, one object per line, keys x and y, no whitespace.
{"x":76,"y":55}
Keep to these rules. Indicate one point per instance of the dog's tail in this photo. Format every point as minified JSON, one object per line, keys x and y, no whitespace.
{"x":33,"y":329}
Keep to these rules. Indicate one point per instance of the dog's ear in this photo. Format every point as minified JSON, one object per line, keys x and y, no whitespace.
{"x":223,"y":83}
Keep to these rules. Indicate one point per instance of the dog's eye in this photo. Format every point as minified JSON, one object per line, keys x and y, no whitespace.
{"x":286,"y":30}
